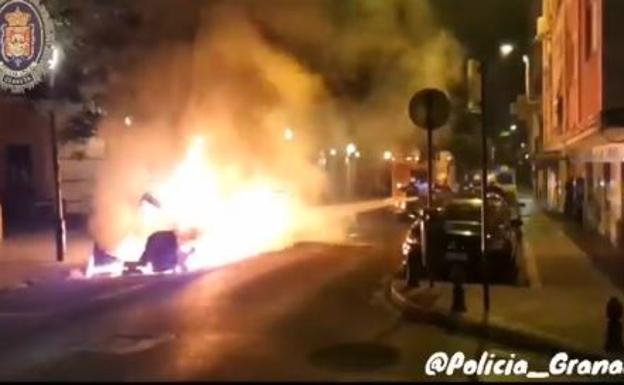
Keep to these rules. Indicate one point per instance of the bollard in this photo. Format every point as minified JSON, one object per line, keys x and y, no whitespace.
{"x":413,"y":271}
{"x":459,"y":296}
{"x":613,"y":343}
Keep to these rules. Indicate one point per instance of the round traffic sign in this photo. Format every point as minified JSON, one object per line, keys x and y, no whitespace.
{"x":429,"y":108}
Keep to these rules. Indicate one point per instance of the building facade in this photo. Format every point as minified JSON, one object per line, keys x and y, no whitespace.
{"x":26,"y":163}
{"x":579,"y":160}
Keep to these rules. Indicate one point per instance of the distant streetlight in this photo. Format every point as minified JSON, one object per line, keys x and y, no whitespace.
{"x":289,"y":134}
{"x":350,"y":149}
{"x":527,"y":75}
{"x":54,"y":61}
{"x":513,"y":127}
{"x":387,"y":155}
{"x":506,"y":49}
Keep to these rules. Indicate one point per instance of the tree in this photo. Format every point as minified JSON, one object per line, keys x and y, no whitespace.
{"x":464,"y":142}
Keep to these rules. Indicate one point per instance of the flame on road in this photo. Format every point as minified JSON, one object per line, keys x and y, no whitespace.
{"x":223,"y":222}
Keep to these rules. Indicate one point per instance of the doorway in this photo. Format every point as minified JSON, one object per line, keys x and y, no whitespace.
{"x":19,"y":183}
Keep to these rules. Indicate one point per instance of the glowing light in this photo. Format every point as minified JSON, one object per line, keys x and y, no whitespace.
{"x":128,"y":121}
{"x":526,"y":156}
{"x":350,"y":149}
{"x":506,"y":49}
{"x":333,"y":152}
{"x":54,"y":61}
{"x":289,"y":134}
{"x":513,"y":127}
{"x":387,"y":155}
{"x":525,"y":59}
{"x":522,"y":145}
{"x":357,"y":154}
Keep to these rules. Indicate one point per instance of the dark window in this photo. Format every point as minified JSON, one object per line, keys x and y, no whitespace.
{"x":559,"y":116}
{"x":19,"y":167}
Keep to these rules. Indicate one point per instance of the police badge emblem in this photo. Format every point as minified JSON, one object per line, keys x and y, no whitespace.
{"x":26,"y":39}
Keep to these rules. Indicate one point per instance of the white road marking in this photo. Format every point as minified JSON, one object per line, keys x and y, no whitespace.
{"x":531,"y":266}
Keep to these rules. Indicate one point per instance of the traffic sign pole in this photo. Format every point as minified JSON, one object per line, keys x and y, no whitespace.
{"x":430,"y":128}
{"x":484,"y":176}
{"x":430,"y":110}
{"x":429,"y":123}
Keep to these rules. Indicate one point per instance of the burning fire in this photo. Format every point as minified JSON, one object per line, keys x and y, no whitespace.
{"x":222,"y":224}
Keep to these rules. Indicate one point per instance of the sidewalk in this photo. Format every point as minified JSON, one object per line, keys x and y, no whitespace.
{"x":28,"y":259}
{"x":563,"y":307}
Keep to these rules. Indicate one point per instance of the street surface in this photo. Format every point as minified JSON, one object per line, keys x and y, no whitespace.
{"x":310,"y":312}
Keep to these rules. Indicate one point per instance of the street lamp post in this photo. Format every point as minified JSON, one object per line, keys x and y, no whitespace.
{"x":59,"y":217}
{"x":484,"y":172}
{"x":505,"y":50}
{"x":351,"y":153}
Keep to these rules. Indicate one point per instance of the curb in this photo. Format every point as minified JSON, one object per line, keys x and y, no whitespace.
{"x":491,"y":329}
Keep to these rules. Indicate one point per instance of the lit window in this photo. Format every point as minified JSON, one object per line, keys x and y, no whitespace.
{"x":591,"y":28}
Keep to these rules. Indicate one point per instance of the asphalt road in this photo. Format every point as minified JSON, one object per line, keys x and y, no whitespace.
{"x":310,"y":312}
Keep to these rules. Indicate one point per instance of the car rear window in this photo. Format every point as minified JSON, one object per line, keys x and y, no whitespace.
{"x":463,"y":212}
{"x":504,"y":178}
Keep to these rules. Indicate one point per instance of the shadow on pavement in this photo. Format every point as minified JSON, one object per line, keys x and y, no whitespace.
{"x":607,"y":258}
{"x":355,"y":357}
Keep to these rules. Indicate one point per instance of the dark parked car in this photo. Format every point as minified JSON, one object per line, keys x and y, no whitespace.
{"x":414,"y":201}
{"x":456,"y":237}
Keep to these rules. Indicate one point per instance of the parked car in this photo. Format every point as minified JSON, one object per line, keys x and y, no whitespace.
{"x":456,"y":237}
{"x":414,"y":201}
{"x":505,"y":178}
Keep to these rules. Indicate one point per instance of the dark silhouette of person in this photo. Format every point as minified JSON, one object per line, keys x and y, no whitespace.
{"x":568,"y":204}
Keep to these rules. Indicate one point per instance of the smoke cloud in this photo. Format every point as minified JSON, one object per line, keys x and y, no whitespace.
{"x":332,"y":71}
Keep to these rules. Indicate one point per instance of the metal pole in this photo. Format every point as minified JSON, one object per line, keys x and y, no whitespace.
{"x":429,"y":123}
{"x":484,"y":172}
{"x":59,"y":219}
{"x":527,"y":77}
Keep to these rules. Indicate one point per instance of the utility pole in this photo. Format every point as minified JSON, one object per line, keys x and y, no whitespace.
{"x":59,"y":217}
